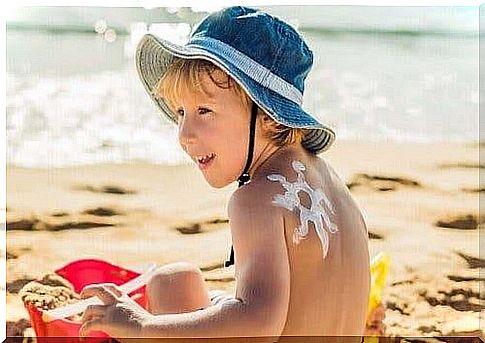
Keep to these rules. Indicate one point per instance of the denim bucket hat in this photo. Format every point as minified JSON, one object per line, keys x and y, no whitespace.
{"x":265,"y":55}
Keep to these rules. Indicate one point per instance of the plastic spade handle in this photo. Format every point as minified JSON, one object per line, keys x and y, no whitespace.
{"x":80,"y":306}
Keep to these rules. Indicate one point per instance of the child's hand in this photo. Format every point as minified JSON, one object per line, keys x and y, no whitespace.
{"x":120,"y":316}
{"x":375,"y":325}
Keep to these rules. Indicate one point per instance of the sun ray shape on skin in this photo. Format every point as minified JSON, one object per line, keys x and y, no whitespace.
{"x":317,"y":213}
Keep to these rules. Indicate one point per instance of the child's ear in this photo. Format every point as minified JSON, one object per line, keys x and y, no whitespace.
{"x":265,"y":121}
{"x":266,"y":118}
{"x":263,"y":116}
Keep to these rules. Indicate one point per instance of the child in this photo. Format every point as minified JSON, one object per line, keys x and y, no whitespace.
{"x":300,"y":242}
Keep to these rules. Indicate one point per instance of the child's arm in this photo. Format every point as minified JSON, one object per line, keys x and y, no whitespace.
{"x":262,"y":280}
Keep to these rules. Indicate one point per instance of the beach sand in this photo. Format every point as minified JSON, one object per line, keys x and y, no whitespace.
{"x":420,"y":202}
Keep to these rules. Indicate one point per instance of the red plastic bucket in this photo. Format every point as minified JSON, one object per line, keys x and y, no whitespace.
{"x":81,"y":273}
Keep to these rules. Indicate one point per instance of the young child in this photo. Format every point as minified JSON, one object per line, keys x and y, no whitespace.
{"x":300,"y":243}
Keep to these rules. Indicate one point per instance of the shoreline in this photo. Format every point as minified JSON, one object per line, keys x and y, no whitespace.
{"x":393,"y":145}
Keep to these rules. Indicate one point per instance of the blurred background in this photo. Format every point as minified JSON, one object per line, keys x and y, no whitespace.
{"x":94,"y":171}
{"x":380,"y":74}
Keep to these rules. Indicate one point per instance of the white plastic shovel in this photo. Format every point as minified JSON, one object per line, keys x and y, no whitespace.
{"x":80,"y":306}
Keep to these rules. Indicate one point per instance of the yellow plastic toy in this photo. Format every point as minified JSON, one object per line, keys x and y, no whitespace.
{"x":379,"y":268}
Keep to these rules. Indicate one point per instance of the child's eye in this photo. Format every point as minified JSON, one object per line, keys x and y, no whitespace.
{"x":203,"y":110}
{"x":180,"y":112}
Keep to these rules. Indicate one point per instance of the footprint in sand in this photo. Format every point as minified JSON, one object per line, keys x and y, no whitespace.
{"x":208,"y":225}
{"x":220,"y":278}
{"x":373,"y":235}
{"x":62,"y":220}
{"x":461,"y":278}
{"x":473,"y":262}
{"x":461,"y":222}
{"x":102,"y":212}
{"x":109,"y":189}
{"x":37,"y":224}
{"x":16,"y":285}
{"x":215,"y":272}
{"x":74,"y":225}
{"x":381,"y":183}
{"x":21,"y":224}
{"x":460,"y":299}
{"x":212,"y":266}
{"x":60,"y":214}
{"x":217,"y":221}
{"x":473,"y":190}
{"x":11,"y":256}
{"x":462,"y":165}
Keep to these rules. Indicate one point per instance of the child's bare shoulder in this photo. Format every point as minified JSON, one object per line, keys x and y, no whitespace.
{"x":256,"y":195}
{"x":257,"y":227}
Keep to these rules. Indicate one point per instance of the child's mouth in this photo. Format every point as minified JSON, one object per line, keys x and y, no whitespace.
{"x":205,"y":161}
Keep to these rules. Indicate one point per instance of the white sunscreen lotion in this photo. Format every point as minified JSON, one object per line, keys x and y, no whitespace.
{"x":317,"y":213}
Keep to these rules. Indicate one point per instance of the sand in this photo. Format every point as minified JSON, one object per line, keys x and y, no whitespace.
{"x":420,"y":202}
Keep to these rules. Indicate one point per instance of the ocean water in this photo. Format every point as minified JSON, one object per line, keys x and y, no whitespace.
{"x":74,"y":97}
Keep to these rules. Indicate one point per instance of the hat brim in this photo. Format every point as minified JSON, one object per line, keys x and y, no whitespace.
{"x":154,"y":55}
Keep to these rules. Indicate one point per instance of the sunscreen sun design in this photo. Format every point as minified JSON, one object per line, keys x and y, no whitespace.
{"x":316,"y":213}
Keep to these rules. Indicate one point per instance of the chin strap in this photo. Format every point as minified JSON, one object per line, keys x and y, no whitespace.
{"x":244,"y":178}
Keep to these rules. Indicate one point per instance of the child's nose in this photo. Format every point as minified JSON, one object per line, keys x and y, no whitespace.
{"x":187,"y":133}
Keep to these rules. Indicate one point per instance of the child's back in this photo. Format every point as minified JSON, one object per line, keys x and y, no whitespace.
{"x":328,"y":296}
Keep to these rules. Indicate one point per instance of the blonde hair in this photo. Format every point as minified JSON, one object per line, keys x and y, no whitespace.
{"x":186,"y":75}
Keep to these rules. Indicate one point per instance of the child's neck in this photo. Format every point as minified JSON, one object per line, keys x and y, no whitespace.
{"x":269,"y":154}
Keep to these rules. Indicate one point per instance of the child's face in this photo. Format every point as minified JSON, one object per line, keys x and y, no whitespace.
{"x":216,"y":123}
